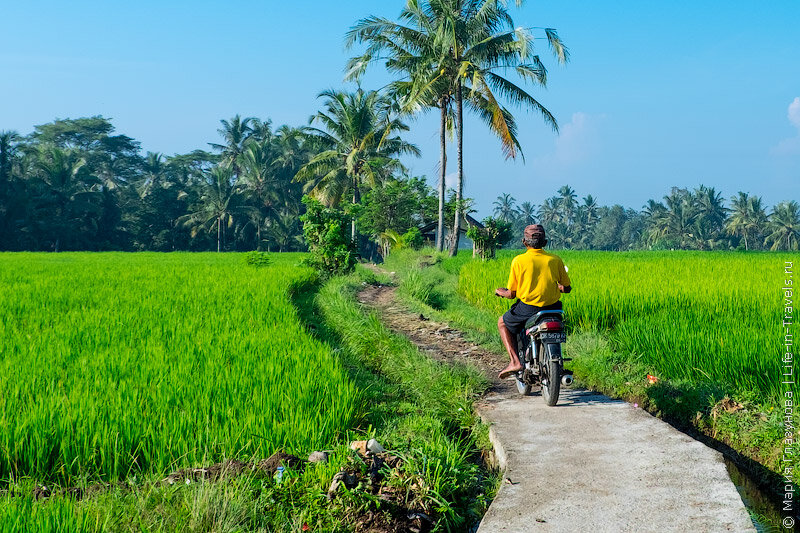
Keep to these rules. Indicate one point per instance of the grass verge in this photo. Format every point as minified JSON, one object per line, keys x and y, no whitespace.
{"x":422,"y":409}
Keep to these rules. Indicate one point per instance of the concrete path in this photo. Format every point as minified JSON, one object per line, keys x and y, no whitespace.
{"x":593,"y":464}
{"x":588,"y":465}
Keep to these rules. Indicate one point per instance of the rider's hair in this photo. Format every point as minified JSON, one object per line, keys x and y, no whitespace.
{"x":537,"y":241}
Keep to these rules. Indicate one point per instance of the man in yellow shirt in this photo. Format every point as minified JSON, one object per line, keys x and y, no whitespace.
{"x":537,"y":279}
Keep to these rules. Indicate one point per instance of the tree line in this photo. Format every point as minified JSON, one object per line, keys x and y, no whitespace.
{"x":698,"y":219}
{"x":73,"y":184}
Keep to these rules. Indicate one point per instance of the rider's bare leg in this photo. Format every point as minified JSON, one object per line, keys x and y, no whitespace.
{"x":510,"y":342}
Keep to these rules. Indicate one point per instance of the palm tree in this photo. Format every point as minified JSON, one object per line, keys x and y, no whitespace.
{"x":568,"y":203}
{"x":505,"y":207}
{"x":590,"y":208}
{"x":549,"y":212}
{"x":483,"y":45}
{"x":527,"y":213}
{"x":654,"y":214}
{"x":235,"y":134}
{"x":474,"y":42}
{"x":8,"y":149}
{"x":747,"y":218}
{"x":360,"y":146}
{"x":411,"y":50}
{"x":710,"y":215}
{"x":784,"y":226}
{"x":582,"y":228}
{"x":67,"y":191}
{"x":219,"y":202}
{"x":154,"y":168}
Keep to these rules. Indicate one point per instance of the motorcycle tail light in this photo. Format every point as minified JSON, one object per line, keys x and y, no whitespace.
{"x":550,"y":326}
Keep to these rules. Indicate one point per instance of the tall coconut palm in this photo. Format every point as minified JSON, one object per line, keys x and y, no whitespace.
{"x":679,"y":216}
{"x":784,"y":226}
{"x":474,"y":45}
{"x":484,"y":45}
{"x":412,"y":52}
{"x":568,"y":203}
{"x":154,"y":168}
{"x":67,"y":192}
{"x":590,"y":208}
{"x":360,"y":144}
{"x":654,"y":213}
{"x":710,"y":211}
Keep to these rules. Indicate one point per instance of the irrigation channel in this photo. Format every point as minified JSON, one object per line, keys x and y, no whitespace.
{"x":592,"y":464}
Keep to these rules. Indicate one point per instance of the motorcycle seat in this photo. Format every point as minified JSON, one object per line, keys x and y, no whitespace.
{"x":541,"y":316}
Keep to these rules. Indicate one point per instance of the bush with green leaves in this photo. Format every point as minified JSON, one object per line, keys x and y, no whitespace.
{"x":494,"y":234}
{"x":326,"y":231}
{"x":257,"y":259}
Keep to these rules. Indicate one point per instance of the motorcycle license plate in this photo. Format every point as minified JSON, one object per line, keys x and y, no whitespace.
{"x":553,"y":337}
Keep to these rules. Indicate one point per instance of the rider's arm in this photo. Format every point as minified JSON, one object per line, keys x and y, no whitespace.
{"x":564,"y":289}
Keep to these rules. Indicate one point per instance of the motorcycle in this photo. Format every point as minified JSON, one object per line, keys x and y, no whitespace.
{"x":539,"y":347}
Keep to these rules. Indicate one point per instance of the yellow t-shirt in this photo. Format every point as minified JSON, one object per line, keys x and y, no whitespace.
{"x":535,"y":276}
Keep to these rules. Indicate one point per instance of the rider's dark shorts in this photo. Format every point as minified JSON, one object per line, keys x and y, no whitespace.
{"x":520,"y":312}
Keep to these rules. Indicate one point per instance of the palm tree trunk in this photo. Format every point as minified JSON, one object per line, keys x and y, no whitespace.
{"x":460,"y":153}
{"x":443,"y":173}
{"x":219,"y":230}
{"x":356,"y":199}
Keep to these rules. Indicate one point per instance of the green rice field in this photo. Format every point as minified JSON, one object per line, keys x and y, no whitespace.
{"x":700,"y":316}
{"x":114,"y":364}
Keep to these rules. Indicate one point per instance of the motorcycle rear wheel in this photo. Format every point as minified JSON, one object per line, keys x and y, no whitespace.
{"x":551,"y":380}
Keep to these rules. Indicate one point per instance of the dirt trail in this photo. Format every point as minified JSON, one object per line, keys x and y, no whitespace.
{"x":588,"y":464}
{"x":438,"y":340}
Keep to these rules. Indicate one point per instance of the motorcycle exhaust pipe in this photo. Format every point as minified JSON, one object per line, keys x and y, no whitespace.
{"x":566,"y":380}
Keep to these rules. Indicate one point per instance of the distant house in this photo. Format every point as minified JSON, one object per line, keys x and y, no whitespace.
{"x":429,"y":232}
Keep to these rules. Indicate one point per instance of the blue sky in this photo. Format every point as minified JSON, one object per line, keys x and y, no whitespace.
{"x":656,"y":94}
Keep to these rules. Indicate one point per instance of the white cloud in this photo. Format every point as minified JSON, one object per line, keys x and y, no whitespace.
{"x":576,"y":142}
{"x":451,"y":180}
{"x":794,"y":112}
{"x":790,"y":146}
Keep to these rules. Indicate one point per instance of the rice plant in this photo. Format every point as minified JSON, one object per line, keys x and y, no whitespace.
{"x":114,"y":364}
{"x":694,"y":315}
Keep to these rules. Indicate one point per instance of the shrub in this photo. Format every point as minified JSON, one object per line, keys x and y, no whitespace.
{"x":491,"y":236}
{"x":257,"y":259}
{"x":326,"y":232}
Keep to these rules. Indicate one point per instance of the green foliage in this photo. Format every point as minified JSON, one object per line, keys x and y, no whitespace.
{"x":685,"y":315}
{"x":76,"y":184}
{"x":434,"y":434}
{"x":422,"y":288}
{"x":398,"y":205}
{"x":326,"y":233}
{"x":412,"y":239}
{"x":257,"y":259}
{"x":492,"y":235}
{"x":358,"y":148}
{"x":118,"y":365}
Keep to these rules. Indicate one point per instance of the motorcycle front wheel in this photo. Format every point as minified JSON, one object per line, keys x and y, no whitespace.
{"x":551,"y":370}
